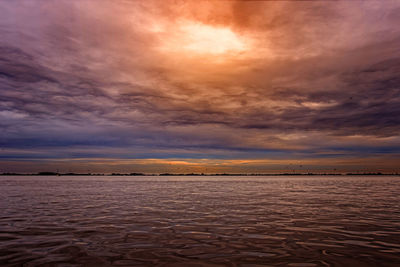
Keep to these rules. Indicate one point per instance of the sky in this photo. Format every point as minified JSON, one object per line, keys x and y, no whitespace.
{"x":199,"y":86}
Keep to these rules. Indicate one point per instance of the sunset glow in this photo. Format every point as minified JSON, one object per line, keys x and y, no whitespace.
{"x":200,"y":133}
{"x":206,"y":39}
{"x":199,"y":40}
{"x":157,"y":85}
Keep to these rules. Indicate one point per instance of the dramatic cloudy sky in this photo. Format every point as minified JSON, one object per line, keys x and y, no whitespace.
{"x":203,"y":86}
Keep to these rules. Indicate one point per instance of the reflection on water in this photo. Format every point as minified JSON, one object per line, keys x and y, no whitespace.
{"x":200,"y":221}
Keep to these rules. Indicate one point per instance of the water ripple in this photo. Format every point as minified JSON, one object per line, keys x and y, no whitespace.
{"x":200,"y":221}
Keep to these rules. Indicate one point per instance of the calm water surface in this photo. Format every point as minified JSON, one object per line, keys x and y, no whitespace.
{"x":200,"y":221}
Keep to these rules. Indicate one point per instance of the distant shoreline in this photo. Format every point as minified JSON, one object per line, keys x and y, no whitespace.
{"x":198,"y":174}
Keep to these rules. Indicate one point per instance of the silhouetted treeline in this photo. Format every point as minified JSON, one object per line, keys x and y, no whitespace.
{"x":48,"y":173}
{"x":128,"y":174}
{"x":366,"y":173}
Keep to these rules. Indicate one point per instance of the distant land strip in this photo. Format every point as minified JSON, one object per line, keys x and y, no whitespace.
{"x":191,"y":174}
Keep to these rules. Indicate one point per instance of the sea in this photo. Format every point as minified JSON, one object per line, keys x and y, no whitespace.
{"x":298,"y":221}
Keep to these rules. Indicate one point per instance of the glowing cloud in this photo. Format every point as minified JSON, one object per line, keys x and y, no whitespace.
{"x":197,"y":39}
{"x":207,"y":39}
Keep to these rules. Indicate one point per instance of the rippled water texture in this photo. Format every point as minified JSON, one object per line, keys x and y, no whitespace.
{"x":200,"y":221}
